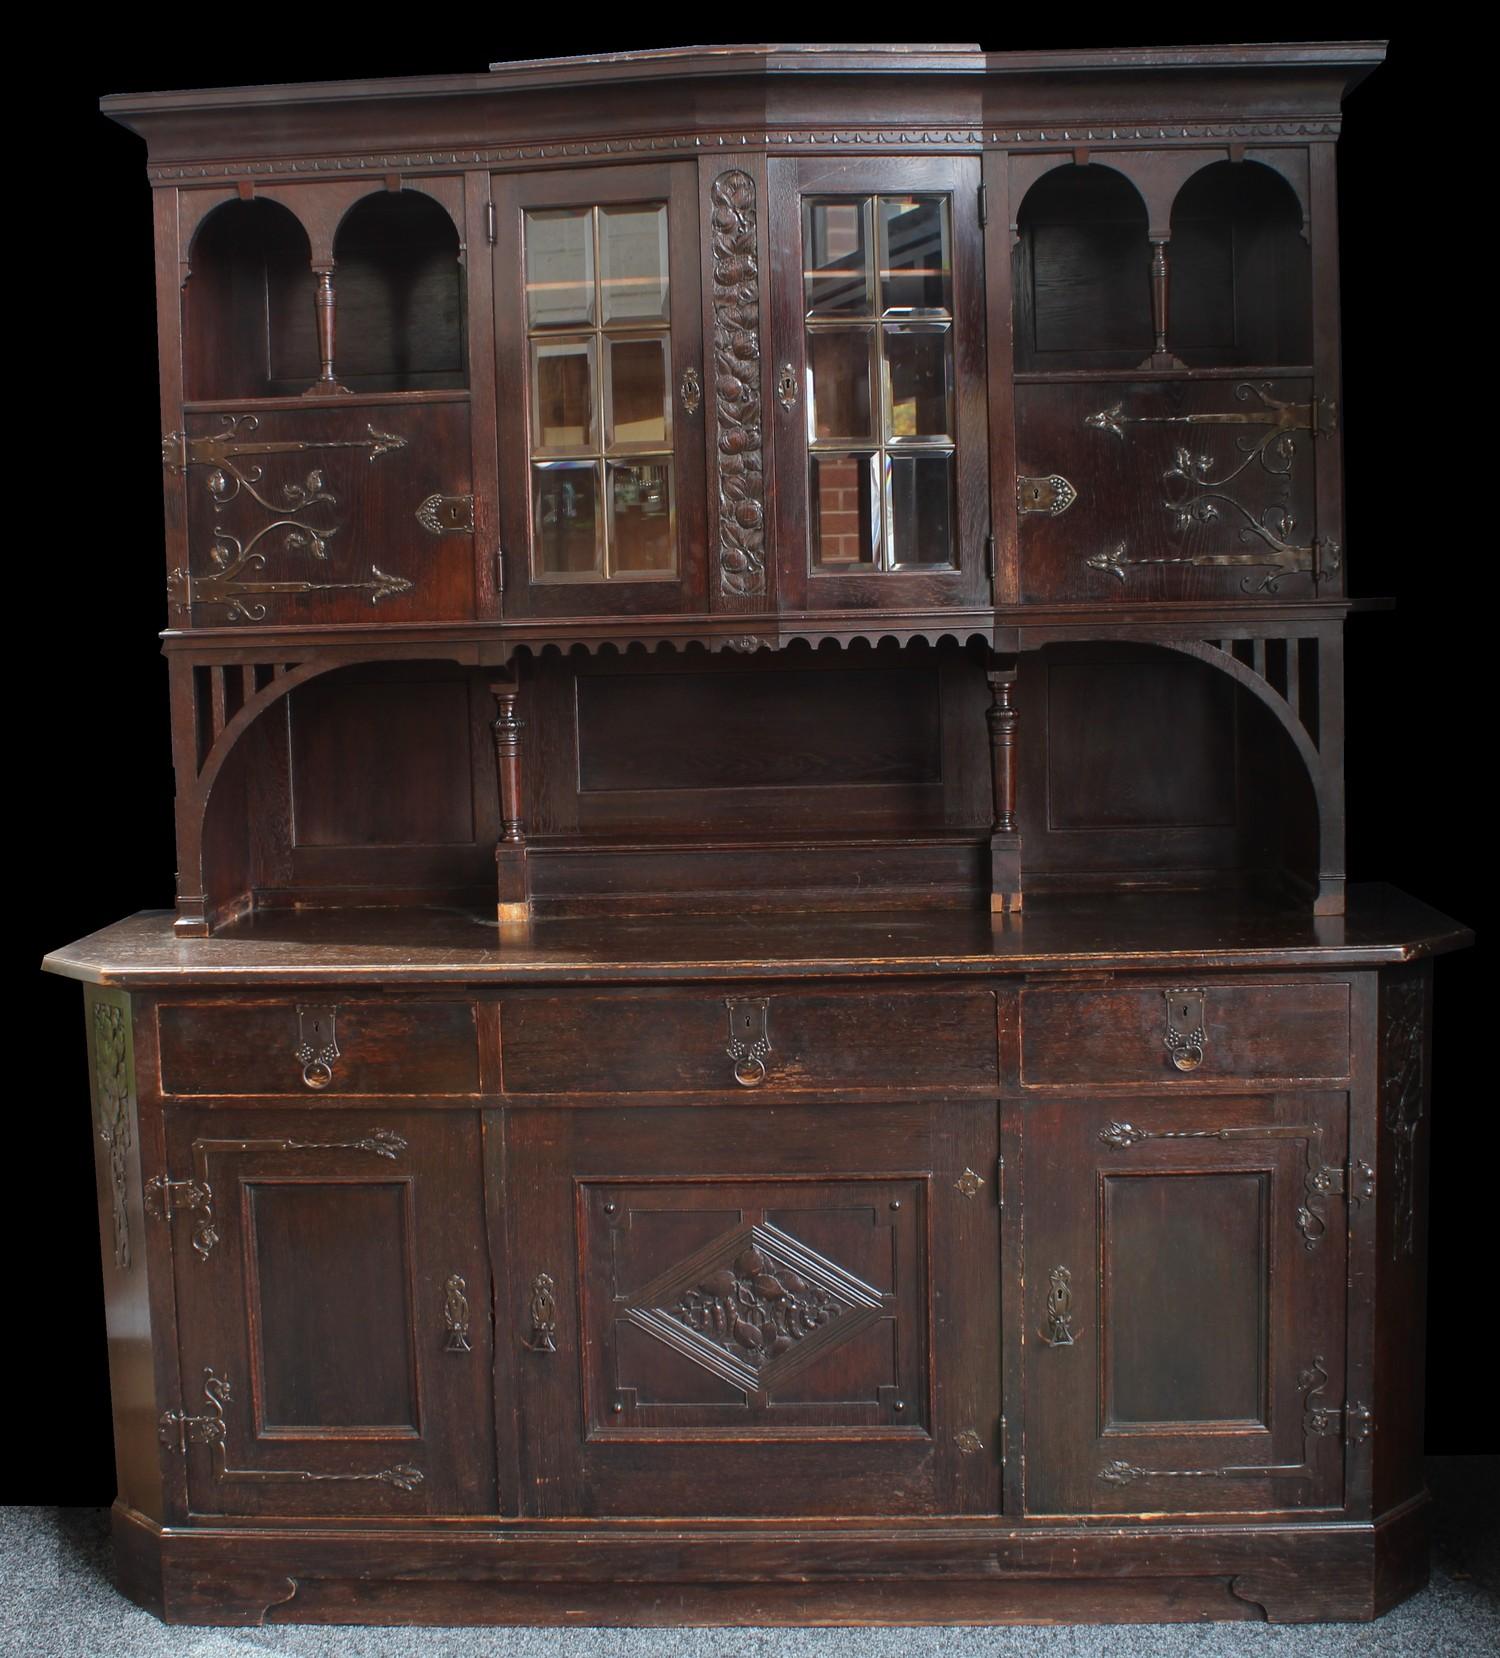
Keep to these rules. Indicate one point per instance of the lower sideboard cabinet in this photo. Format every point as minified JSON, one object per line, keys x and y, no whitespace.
{"x":935,"y":1319}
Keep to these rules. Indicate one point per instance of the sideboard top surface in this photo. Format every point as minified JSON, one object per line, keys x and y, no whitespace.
{"x":406,"y":947}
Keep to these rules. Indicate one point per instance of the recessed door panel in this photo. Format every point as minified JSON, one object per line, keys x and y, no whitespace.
{"x":757,"y":1310}
{"x":1183,"y":1275}
{"x":334,"y":1309}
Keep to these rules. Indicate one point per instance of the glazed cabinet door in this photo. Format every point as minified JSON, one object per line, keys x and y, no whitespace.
{"x":1183,"y":1290}
{"x":879,"y":383}
{"x":333,"y":1311}
{"x":599,"y":342}
{"x":756,"y":1311}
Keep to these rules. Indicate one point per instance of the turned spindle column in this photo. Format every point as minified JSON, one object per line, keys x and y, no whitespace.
{"x":1161,"y":284}
{"x":325,"y":305}
{"x":1005,"y":837}
{"x":510,"y":853}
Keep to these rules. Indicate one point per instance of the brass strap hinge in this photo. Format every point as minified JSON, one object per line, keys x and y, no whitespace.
{"x":160,"y":1202}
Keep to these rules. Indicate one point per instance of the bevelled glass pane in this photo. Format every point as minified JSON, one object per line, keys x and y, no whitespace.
{"x":639,"y":411}
{"x":838,"y":367}
{"x":836,"y":256}
{"x":562,"y":392}
{"x":565,"y":497}
{"x":920,"y":491}
{"x":845,"y":514}
{"x":917,"y":373}
{"x":915,"y":270}
{"x":633,"y":263}
{"x":640,"y":518}
{"x":560,"y":268}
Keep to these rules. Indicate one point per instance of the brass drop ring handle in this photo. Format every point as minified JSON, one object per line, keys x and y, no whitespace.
{"x":1186,"y":1035}
{"x":750,"y":1072}
{"x":749,"y":1038}
{"x":1189,"y":1057}
{"x":317,"y":1073}
{"x":317,"y":1044}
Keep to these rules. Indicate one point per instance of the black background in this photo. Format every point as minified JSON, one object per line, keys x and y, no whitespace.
{"x":91,"y":804}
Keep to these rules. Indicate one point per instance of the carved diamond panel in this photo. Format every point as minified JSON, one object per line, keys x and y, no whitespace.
{"x":754,"y":1306}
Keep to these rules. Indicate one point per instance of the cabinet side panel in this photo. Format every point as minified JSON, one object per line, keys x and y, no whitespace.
{"x":122,"y":1234}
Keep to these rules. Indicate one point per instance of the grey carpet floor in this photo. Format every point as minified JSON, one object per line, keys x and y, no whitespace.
{"x":56,"y":1598}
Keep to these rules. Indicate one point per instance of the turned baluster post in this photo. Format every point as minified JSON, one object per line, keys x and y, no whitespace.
{"x":1005,"y":835}
{"x":508,"y":728}
{"x":325,"y":305}
{"x":1160,"y":283}
{"x":1003,"y":719}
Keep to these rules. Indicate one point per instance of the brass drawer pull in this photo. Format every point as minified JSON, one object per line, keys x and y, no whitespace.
{"x":1186,"y":1038}
{"x":749,"y":1038}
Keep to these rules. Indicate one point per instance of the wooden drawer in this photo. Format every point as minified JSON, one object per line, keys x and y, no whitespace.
{"x":427,"y":1048}
{"x":671,"y":1042}
{"x":1288,"y":1033}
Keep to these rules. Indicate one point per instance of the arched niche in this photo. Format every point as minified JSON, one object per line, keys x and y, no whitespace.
{"x":1082,"y":272}
{"x":247,"y":304}
{"x":1241,"y":271}
{"x":401,"y":305}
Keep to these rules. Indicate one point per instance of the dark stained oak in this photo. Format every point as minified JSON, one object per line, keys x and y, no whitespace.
{"x":821,"y":1069}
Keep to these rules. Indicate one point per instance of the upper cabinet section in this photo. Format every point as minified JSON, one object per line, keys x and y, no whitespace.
{"x":878,"y":324}
{"x":599,"y":360}
{"x":752,"y":343}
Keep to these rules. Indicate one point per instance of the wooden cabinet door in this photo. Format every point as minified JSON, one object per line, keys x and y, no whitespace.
{"x":879,"y":383}
{"x":1183,"y":1288}
{"x":739,"y":1310}
{"x":599,"y":363}
{"x":333,"y":1312}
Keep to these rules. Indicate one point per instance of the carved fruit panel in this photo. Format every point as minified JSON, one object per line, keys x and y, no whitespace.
{"x":790,"y":1307}
{"x":351,"y":514}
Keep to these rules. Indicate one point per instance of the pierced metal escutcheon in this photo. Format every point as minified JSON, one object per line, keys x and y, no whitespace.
{"x":1052,"y":495}
{"x":786,"y":387}
{"x":456,"y":1316}
{"x":749,"y":1038}
{"x":1059,"y":1331}
{"x":692,"y":390}
{"x":1185,"y":1037}
{"x":443,"y":514}
{"x":317,"y":1044}
{"x":543,"y":1337}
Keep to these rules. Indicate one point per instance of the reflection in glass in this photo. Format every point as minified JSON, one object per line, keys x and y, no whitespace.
{"x":838,"y":367}
{"x":921,"y":508}
{"x":915,"y":273}
{"x":633,"y":263}
{"x":639,"y":411}
{"x":836,"y":254}
{"x":562,"y":390}
{"x":845,"y":515}
{"x":559,"y":268}
{"x":917,"y":383}
{"x":565,"y":496}
{"x":640,"y":517}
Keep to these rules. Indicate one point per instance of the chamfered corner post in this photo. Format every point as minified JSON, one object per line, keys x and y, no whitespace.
{"x":1005,"y":834}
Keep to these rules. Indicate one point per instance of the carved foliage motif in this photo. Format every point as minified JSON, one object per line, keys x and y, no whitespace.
{"x":1403,"y":1100}
{"x":737,"y":404}
{"x":112,"y":1111}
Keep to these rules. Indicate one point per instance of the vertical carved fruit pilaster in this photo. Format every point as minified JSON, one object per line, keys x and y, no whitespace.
{"x":738,"y":463}
{"x":112,"y":1114}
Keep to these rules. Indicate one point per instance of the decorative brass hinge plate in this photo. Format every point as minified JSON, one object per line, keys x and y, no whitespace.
{"x":447,"y":514}
{"x":1052,"y":495}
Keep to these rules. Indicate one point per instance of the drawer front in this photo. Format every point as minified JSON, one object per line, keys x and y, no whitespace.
{"x":318,"y":1046}
{"x":1190,"y":1033}
{"x":666,"y":1042}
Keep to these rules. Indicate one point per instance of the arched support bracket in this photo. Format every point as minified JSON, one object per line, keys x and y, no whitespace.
{"x":215,"y":703}
{"x":1299,"y":678}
